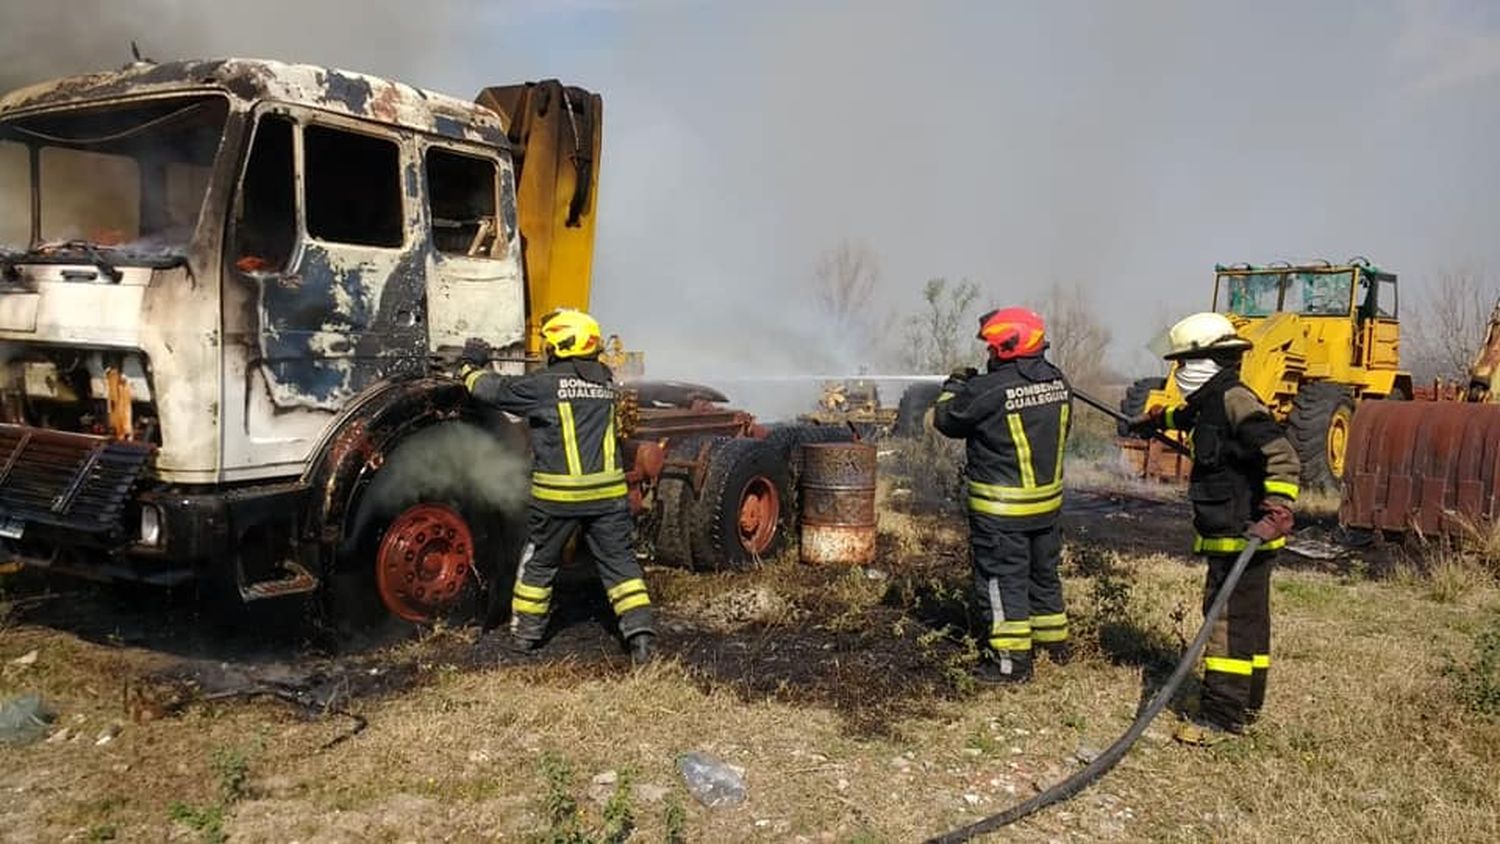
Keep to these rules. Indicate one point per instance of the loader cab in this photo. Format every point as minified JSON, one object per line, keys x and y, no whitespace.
{"x":1346,"y":315}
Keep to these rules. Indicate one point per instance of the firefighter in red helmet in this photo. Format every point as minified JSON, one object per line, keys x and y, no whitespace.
{"x":1014,"y":420}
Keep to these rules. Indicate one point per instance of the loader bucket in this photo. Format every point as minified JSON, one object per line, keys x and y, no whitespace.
{"x":1428,"y":466}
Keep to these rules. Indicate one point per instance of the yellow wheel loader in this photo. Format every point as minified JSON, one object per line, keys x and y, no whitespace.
{"x":1326,"y":338}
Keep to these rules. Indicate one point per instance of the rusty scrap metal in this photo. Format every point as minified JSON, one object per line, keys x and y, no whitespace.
{"x":838,"y":503}
{"x":1429,"y":466}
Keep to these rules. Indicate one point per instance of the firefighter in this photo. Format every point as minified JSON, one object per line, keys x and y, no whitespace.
{"x":1243,"y":483}
{"x":577,"y":483}
{"x":1014,"y":419}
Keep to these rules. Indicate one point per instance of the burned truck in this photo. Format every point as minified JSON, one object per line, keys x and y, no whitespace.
{"x":229,"y":288}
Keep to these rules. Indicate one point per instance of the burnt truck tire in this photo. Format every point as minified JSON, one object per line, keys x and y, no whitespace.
{"x":1134,"y":402}
{"x":744,"y":512}
{"x":911,"y":410}
{"x":435,"y":536}
{"x":790,"y":440}
{"x":673,"y":507}
{"x":1319,"y":429}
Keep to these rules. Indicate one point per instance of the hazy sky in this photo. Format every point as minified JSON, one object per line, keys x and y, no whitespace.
{"x":1123,"y":146}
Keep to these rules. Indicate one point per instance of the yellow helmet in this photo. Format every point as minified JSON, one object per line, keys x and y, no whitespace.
{"x":569,"y":333}
{"x":1202,"y":335}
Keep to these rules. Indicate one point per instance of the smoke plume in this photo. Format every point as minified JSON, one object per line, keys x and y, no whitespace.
{"x":1123,"y":148}
{"x":452,"y":462}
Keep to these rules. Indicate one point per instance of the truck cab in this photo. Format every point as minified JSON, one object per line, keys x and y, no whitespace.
{"x":224,"y":286}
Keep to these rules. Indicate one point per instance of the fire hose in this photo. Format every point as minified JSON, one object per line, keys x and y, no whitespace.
{"x":1115,"y":752}
{"x":1112,"y":755}
{"x":1116,"y":415}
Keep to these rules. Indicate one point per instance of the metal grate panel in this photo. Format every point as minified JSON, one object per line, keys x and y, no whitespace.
{"x":73,"y":481}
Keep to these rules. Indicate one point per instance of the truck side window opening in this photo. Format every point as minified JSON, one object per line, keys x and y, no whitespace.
{"x":461,"y":194}
{"x":266,"y":219}
{"x":15,"y":188}
{"x":353,"y":187}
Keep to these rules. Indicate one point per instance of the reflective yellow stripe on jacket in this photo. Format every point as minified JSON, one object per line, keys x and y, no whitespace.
{"x":1282,"y":488}
{"x":1230,"y":544}
{"x":576,"y":486}
{"x":1028,"y":499}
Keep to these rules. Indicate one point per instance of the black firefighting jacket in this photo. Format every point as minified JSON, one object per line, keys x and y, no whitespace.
{"x":570,"y":409}
{"x":1015,"y":420}
{"x":1240,"y":455}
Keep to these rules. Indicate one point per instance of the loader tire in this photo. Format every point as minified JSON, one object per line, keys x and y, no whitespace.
{"x":743,"y":513}
{"x":911,"y":411}
{"x":1319,"y":430}
{"x":1135,"y":399}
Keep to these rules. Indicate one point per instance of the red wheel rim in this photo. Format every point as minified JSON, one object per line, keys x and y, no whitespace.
{"x":760,"y":511}
{"x":425,"y":558}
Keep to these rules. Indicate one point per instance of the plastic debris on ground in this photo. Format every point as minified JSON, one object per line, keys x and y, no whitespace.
{"x":24,"y":719}
{"x":712,"y":782}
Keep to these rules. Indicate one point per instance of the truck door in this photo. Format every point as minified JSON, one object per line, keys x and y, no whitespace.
{"x":325,"y":254}
{"x":474,"y":284}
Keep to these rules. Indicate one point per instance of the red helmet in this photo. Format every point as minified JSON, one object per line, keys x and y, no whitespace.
{"x":1013,"y":332}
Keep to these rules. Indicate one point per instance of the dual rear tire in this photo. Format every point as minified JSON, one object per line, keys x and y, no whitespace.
{"x":744,"y":508}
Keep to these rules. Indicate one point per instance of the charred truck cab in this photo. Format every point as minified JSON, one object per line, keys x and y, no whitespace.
{"x":225,"y":284}
{"x":226,"y":287}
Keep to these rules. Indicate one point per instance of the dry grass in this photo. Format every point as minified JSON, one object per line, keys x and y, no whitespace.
{"x":1371,"y":733}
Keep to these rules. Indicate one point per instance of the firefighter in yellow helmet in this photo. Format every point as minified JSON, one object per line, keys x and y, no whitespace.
{"x":577,"y":481}
{"x":1243,"y":483}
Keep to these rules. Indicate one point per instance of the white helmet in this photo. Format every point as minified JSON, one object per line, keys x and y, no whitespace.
{"x":1203,"y":335}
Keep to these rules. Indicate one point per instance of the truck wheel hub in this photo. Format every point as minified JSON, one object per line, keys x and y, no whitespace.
{"x":760,"y":507}
{"x":425,"y":558}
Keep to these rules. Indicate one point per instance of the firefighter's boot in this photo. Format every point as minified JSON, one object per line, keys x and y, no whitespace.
{"x":1059,"y":653}
{"x":1204,"y":732}
{"x":642,"y":648}
{"x":1002,"y":669}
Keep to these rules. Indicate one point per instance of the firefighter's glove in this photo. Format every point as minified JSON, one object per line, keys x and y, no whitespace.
{"x":1275,"y":520}
{"x":477,"y":354}
{"x":1144,"y":424}
{"x":963,"y":373}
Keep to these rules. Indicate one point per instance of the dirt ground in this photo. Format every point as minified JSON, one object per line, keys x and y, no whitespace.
{"x":842,"y":695}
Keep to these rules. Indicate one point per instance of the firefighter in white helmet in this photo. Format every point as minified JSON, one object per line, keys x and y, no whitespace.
{"x":1243,"y":482}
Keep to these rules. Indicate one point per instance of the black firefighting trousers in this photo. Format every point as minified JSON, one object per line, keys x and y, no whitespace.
{"x":607,"y":534}
{"x":1238,"y":655}
{"x":1017,"y":590}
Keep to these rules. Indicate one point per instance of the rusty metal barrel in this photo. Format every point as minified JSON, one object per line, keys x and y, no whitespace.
{"x":838,"y":504}
{"x":1433,"y":466}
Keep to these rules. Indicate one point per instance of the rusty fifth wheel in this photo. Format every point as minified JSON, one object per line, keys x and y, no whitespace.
{"x":741,"y":512}
{"x":424,"y":561}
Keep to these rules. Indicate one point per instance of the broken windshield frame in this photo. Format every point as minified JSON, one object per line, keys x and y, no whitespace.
{"x":1305,"y":292}
{"x":115,"y":183}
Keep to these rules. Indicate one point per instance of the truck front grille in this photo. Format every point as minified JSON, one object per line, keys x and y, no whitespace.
{"x":64,"y":480}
